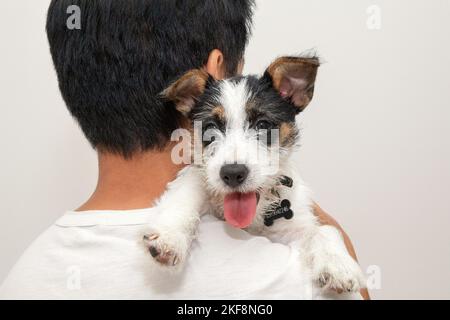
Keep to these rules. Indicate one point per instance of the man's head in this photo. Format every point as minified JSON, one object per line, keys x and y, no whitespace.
{"x":111,"y":71}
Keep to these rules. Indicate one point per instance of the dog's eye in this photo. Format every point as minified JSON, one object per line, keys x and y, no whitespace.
{"x":210,"y":133}
{"x":263,"y":125}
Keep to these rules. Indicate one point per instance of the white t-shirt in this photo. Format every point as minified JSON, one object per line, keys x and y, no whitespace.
{"x":100,"y":255}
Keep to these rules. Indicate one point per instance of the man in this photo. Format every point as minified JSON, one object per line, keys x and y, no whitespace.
{"x":110,"y":73}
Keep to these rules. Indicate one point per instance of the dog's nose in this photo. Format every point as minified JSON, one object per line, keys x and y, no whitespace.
{"x":234,"y":174}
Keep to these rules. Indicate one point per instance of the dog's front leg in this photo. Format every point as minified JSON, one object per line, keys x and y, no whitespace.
{"x":323,"y":251}
{"x":179,"y":207}
{"x":331,"y":264}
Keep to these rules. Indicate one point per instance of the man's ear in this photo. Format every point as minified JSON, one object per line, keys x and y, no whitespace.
{"x":215,"y":65}
{"x":185,"y":91}
{"x":294,"y":78}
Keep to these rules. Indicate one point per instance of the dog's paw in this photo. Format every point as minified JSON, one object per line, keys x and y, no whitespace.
{"x":337,"y":271}
{"x":168,"y":248}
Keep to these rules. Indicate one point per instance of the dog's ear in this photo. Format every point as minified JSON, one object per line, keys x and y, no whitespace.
{"x":294,"y":78}
{"x":185,"y":91}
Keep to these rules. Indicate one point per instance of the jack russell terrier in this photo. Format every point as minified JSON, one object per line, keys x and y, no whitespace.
{"x":245,"y":174}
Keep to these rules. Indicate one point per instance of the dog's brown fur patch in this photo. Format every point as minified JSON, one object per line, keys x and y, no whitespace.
{"x":186,"y":89}
{"x":219,"y":113}
{"x":288,"y":133}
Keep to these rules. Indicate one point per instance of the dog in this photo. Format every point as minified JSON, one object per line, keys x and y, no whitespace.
{"x":239,"y":118}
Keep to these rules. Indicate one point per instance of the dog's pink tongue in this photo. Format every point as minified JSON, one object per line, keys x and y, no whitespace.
{"x":239,"y":208}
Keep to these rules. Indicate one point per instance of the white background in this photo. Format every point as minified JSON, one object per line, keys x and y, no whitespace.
{"x":376,"y":147}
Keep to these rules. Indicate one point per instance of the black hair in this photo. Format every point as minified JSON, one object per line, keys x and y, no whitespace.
{"x":112,"y":70}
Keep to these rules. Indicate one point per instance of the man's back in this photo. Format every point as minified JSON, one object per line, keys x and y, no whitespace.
{"x":100,"y":255}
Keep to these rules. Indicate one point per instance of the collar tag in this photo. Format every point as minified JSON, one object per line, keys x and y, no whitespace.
{"x":283,"y":210}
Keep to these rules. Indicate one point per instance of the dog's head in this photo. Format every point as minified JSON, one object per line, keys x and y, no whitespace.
{"x":248,"y":127}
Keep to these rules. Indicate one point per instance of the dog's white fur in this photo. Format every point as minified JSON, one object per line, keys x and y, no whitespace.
{"x":199,"y":190}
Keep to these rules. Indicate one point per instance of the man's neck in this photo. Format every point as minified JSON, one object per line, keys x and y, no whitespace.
{"x":127,"y":184}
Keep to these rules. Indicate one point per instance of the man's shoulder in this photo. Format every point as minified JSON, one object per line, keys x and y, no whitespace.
{"x":30,"y":271}
{"x":110,"y":261}
{"x":219,"y":238}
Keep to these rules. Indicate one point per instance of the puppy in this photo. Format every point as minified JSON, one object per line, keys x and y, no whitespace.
{"x":245,"y":174}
